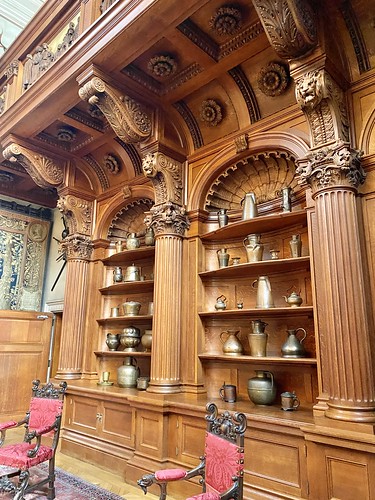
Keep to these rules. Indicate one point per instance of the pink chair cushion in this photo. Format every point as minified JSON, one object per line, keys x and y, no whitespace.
{"x":170,"y":474}
{"x":43,"y":412}
{"x":15,"y":455}
{"x":8,"y":425}
{"x":222,"y":463}
{"x":205,"y":496}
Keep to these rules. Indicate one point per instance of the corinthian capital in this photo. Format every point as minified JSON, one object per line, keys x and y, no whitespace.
{"x":168,"y":218}
{"x":166,"y":176}
{"x":323,"y":103}
{"x":124,"y":115}
{"x":333,"y":166}
{"x":77,"y":213}
{"x":77,"y":247}
{"x":44,"y":171}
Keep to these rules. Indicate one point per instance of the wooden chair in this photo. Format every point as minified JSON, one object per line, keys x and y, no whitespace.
{"x":221,"y":467}
{"x":42,"y":420}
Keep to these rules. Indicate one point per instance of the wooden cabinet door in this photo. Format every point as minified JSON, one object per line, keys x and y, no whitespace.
{"x":117,"y":424}
{"x":24,"y":349}
{"x":82,"y":414}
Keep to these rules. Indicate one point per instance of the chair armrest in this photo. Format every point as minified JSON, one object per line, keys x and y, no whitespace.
{"x":37,"y":434}
{"x":11,"y":424}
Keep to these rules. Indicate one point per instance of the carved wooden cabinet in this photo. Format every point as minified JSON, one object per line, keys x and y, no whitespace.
{"x":235,"y":283}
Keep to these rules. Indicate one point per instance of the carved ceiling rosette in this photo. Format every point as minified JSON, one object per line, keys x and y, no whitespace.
{"x":130,"y":123}
{"x":210,"y":112}
{"x":44,"y":171}
{"x":77,"y":213}
{"x":273,"y":79}
{"x":227,"y":20}
{"x":290,"y":26}
{"x":166,"y":176}
{"x":77,"y":247}
{"x":323,"y":103}
{"x":162,"y":66}
{"x":332,"y":166}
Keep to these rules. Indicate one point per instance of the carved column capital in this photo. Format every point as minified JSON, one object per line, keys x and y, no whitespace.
{"x":290,"y":26}
{"x":332,"y":166}
{"x":323,"y":103}
{"x":77,"y":213}
{"x":44,"y":171}
{"x":124,"y":115}
{"x":168,"y":218}
{"x":77,"y":247}
{"x":166,"y":176}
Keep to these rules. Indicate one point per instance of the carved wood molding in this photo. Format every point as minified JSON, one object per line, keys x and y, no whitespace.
{"x":77,"y":213}
{"x":77,"y":247}
{"x":166,"y":176}
{"x":323,"y":104}
{"x":290,"y":26}
{"x":124,"y":115}
{"x":43,"y":170}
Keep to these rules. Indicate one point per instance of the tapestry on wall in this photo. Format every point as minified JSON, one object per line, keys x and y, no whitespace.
{"x":23,"y":247}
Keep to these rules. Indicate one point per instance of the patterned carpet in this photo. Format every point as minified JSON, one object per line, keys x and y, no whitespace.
{"x":68,"y":487}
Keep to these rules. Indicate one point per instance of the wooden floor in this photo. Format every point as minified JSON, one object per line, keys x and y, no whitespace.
{"x":90,"y":473}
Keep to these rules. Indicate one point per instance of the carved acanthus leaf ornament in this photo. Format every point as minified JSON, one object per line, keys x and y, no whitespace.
{"x":77,"y":213}
{"x":77,"y":247}
{"x":167,"y":218}
{"x":44,"y":171}
{"x":334,"y":166}
{"x":323,"y":103}
{"x":166,"y":176}
{"x":124,"y":115}
{"x":289,"y":25}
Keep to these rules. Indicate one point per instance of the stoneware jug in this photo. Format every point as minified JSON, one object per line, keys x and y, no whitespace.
{"x":295,"y":246}
{"x":231,"y":344}
{"x":132,"y":242}
{"x":223,"y":257}
{"x":149,"y":237}
{"x":128,"y":373}
{"x":117,"y":275}
{"x":222,"y":217}
{"x":249,"y":206}
{"x":254,"y":248}
{"x":261,"y":388}
{"x":264,"y":293}
{"x":293,"y":347}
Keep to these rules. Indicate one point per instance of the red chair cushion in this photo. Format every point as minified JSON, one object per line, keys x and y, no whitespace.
{"x":205,"y":496}
{"x":43,"y":412}
{"x":222,"y":463}
{"x":15,"y":455}
{"x":170,"y":474}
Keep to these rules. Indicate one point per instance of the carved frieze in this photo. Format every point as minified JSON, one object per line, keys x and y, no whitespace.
{"x":290,"y":26}
{"x":77,"y":213}
{"x":44,"y":171}
{"x":166,"y":176}
{"x":323,"y":103}
{"x":36,"y":64}
{"x":125,"y":116}
{"x":332,"y":166}
{"x":12,"y":69}
{"x":168,"y":218}
{"x":77,"y":247}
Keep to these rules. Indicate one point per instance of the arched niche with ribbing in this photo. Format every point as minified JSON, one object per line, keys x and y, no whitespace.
{"x":269,"y":161}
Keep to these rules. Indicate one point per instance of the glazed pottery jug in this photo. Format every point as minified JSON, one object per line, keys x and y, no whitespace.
{"x":132,"y":273}
{"x":249,"y":206}
{"x":231,"y":345}
{"x":221,"y":303}
{"x":132,"y":242}
{"x":295,"y":245}
{"x":223,"y":257}
{"x":264,"y":293}
{"x":112,"y":341}
{"x":130,"y":338}
{"x":131,"y":308}
{"x":261,"y":388}
{"x":293,"y":347}
{"x":286,"y":194}
{"x":146,"y":340}
{"x":119,"y":246}
{"x":258,"y":339}
{"x":254,"y":248}
{"x":117,"y":275}
{"x":222,"y":217}
{"x":149,"y":237}
{"x":294,"y":299}
{"x":128,"y":373}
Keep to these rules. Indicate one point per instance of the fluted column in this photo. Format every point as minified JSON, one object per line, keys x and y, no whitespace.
{"x":345,"y":322}
{"x":78,"y":250}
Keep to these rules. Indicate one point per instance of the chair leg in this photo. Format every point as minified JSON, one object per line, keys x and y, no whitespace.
{"x":51,"y":476}
{"x":22,"y":485}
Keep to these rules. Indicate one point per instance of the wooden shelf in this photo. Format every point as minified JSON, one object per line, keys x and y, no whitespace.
{"x":120,"y":320}
{"x":122,"y":354}
{"x":262,"y":224}
{"x":263,"y":267}
{"x":128,"y":287}
{"x":130,"y":255}
{"x":271,"y":312}
{"x":269,"y":360}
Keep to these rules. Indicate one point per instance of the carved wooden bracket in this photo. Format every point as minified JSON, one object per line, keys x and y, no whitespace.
{"x":330,"y":167}
{"x":323,"y":103}
{"x":44,"y":171}
{"x":166,"y":176}
{"x":77,"y":213}
{"x":124,"y":115}
{"x":289,"y":24}
{"x":77,"y":247}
